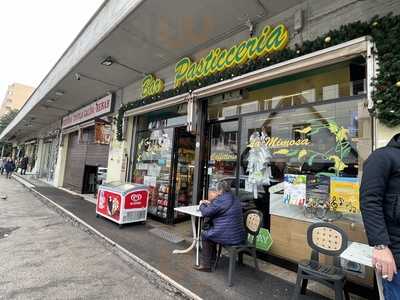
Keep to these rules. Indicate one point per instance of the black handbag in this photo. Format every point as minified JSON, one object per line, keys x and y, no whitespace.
{"x":206,"y":224}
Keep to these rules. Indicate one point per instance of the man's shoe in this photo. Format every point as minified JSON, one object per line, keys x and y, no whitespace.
{"x":202,"y":268}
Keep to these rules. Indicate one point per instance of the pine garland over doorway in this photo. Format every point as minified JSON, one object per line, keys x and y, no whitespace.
{"x":384,"y":32}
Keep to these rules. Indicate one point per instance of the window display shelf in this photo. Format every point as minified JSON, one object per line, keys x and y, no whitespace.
{"x":278,"y":208}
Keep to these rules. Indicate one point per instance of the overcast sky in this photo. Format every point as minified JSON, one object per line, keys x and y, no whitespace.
{"x":34,"y":35}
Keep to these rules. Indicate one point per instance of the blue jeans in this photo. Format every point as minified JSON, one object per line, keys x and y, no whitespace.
{"x":391,"y":289}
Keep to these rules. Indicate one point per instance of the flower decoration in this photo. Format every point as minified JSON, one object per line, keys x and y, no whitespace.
{"x":339,"y":164}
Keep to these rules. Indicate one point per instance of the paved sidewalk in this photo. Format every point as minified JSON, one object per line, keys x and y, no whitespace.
{"x":45,"y":257}
{"x":248,"y":284}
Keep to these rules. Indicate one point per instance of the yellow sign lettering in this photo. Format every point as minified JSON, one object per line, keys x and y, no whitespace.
{"x":217,"y":60}
{"x":151,"y":86}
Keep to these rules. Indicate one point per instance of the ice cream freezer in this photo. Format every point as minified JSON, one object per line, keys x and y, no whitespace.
{"x":122,"y":203}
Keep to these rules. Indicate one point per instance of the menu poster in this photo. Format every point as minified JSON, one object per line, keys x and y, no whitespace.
{"x":317,"y":190}
{"x":294,"y":189}
{"x":103,"y":134}
{"x":345,"y":194}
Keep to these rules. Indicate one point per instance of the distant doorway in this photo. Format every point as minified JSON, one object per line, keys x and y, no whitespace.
{"x":89,"y":180}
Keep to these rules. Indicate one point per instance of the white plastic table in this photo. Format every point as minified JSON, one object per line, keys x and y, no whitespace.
{"x":194,"y":213}
{"x":362,"y":254}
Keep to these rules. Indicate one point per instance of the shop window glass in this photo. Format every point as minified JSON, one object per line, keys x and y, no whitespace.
{"x":87,"y":135}
{"x":167,"y":117}
{"x":222,"y":162}
{"x":325,"y":84}
{"x":327,"y":140}
{"x":153,"y":167}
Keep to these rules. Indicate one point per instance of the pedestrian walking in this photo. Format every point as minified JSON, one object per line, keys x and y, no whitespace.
{"x":380,"y":208}
{"x":9,"y":167}
{"x":24,"y":165}
{"x":32,"y":164}
{"x":2,"y":163}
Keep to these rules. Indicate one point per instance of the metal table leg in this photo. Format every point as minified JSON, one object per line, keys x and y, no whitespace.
{"x":198,"y":241}
{"x":195,"y":238}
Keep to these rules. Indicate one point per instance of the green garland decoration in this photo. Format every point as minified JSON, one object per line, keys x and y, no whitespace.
{"x":384,"y":32}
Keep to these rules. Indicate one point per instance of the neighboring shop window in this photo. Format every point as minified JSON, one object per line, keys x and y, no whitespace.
{"x":87,"y":135}
{"x":337,"y":81}
{"x":167,"y":117}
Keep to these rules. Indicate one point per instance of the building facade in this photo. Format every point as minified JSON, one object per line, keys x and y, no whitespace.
{"x":281,"y":106}
{"x":16,"y":96}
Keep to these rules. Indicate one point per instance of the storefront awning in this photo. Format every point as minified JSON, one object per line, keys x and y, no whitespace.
{"x":328,"y":56}
{"x":307,"y":62}
{"x":158,"y":105}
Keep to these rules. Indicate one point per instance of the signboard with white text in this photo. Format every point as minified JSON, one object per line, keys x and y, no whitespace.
{"x":91,"y":111}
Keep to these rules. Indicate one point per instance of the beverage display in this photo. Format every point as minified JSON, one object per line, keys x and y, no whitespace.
{"x":165,"y":164}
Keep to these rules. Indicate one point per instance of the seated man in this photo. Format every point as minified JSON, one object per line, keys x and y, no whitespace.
{"x":226,"y":223}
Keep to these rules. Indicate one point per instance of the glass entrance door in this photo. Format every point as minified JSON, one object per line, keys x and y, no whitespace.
{"x":223,"y":149}
{"x":165,"y":164}
{"x":184,"y":170}
{"x":153,"y":168}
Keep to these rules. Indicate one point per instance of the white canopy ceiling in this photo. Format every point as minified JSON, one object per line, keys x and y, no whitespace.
{"x":143,"y":37}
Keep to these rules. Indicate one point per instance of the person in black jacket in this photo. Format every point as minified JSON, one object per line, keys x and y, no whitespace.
{"x":380,"y":208}
{"x":9,"y":167}
{"x":24,"y":165}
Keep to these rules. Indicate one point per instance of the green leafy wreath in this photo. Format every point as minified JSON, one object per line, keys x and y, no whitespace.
{"x":384,"y":32}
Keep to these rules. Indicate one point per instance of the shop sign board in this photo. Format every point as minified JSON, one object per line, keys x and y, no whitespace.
{"x":88,"y":112}
{"x":152,"y":86}
{"x":270,"y":40}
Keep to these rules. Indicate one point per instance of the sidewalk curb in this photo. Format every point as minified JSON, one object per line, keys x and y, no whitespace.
{"x":184,"y":291}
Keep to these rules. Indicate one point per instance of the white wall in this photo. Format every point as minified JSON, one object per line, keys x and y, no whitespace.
{"x":61,"y":161}
{"x":118,"y":155}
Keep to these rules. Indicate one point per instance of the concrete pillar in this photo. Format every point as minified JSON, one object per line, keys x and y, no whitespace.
{"x":59,"y":169}
{"x":39,"y":157}
{"x":118,"y":156}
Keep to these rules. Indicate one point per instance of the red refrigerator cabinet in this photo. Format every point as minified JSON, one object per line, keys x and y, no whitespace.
{"x":122,"y":202}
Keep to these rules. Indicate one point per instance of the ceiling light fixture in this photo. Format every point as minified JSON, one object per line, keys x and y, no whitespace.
{"x":51,"y":100}
{"x":108,"y":61}
{"x":59,"y":93}
{"x":80,"y":76}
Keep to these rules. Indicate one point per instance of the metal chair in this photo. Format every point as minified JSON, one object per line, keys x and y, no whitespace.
{"x":252,"y":221}
{"x":328,"y":239}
